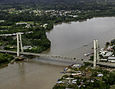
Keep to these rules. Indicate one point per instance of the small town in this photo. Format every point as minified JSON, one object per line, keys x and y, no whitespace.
{"x":37,"y":12}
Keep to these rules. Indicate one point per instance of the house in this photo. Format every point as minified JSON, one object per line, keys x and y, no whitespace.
{"x":79,"y":73}
{"x":76,"y":65}
{"x":102,"y":52}
{"x":106,"y":53}
{"x":1,"y":21}
{"x":110,"y":48}
{"x":45,"y":25}
{"x":23,"y":23}
{"x":74,"y":81}
{"x":27,"y":47}
{"x":103,"y":60}
{"x":100,"y":75}
{"x":28,"y":26}
{"x":74,"y":74}
{"x":58,"y":82}
{"x":111,"y":59}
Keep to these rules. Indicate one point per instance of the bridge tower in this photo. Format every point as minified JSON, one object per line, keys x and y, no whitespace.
{"x":19,"y":44}
{"x":94,"y":61}
{"x":96,"y":53}
{"x":97,"y":49}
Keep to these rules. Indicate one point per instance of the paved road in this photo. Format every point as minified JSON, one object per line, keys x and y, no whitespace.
{"x":106,"y":64}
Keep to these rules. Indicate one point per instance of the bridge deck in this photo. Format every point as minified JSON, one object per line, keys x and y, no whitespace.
{"x":36,"y":54}
{"x":107,"y":64}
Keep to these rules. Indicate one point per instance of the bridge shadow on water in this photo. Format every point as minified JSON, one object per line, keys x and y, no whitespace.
{"x":58,"y":61}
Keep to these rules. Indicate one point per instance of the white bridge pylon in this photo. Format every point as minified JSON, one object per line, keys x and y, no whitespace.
{"x":96,"y":53}
{"x":19,"y":44}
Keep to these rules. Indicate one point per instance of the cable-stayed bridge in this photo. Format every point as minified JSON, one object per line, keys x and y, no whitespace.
{"x":20,"y":51}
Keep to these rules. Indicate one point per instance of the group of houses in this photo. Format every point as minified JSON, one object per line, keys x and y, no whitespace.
{"x":30,"y":24}
{"x":107,"y":55}
{"x":74,"y":76}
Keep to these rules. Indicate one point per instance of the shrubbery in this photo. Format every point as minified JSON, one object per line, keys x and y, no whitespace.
{"x":5,"y":58}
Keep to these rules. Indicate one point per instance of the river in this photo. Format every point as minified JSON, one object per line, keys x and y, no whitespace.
{"x":76,"y":38}
{"x":68,"y":39}
{"x":29,"y":75}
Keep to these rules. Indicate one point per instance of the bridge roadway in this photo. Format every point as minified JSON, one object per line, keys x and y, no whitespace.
{"x":14,"y":34}
{"x":105,"y":64}
{"x":36,"y":54}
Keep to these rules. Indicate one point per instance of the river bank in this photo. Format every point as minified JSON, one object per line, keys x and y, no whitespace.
{"x":3,"y":65}
{"x":5,"y":59}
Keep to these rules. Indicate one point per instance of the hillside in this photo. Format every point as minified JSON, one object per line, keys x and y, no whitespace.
{"x":52,"y":1}
{"x":62,"y":4}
